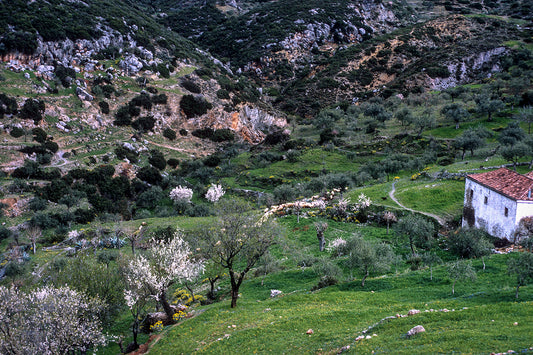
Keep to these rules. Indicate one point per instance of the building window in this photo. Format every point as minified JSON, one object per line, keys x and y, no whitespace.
{"x":471,"y":193}
{"x":486,"y":200}
{"x":506,"y":212}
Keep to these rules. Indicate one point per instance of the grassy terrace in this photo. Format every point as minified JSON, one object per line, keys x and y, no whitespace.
{"x":481,"y":316}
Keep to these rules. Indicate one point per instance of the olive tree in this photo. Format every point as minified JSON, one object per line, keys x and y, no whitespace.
{"x":522,"y":267}
{"x":461,"y":270}
{"x":236,"y":240}
{"x":417,"y":229}
{"x":368,"y":257}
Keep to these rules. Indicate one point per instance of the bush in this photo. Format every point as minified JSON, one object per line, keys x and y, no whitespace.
{"x":223,"y":135}
{"x":173,"y":163}
{"x":150,"y":175}
{"x":16,"y":132}
{"x":122,"y":117}
{"x":223,"y":94}
{"x":104,"y":107}
{"x":144,"y":123}
{"x":32,"y":110}
{"x":203,"y":133}
{"x":183,"y":132}
{"x":194,"y":106}
{"x":191,"y":86}
{"x":169,"y":134}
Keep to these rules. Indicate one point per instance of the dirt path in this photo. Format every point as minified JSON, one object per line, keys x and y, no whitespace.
{"x":441,"y":221}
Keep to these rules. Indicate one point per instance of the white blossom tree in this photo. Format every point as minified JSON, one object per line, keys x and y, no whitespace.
{"x":49,"y":321}
{"x":168,"y":263}
{"x":214,"y":193}
{"x":181,"y":194}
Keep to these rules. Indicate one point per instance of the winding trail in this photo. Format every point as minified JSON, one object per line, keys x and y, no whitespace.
{"x":439,"y":219}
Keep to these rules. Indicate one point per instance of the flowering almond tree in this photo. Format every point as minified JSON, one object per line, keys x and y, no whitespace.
{"x":214,"y":193}
{"x":181,"y":194}
{"x":168,"y":263}
{"x":49,"y":321}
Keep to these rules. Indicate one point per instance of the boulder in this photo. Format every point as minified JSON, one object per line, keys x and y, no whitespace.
{"x":415,"y":330}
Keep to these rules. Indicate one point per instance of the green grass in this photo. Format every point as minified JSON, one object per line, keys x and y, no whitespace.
{"x":481,"y":321}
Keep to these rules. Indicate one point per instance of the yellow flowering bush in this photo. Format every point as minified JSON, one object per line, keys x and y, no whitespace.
{"x":157,"y":327}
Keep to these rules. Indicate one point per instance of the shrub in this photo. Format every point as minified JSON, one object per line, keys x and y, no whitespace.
{"x":194,"y":106}
{"x":191,"y":86}
{"x":223,"y":94}
{"x":223,"y":135}
{"x":203,"y":133}
{"x":104,"y":107}
{"x":17,"y":132}
{"x":122,"y":117}
{"x":169,"y":134}
{"x":173,"y":163}
{"x":160,"y":99}
{"x":150,"y":175}
{"x":144,"y":123}
{"x":32,"y":109}
{"x":183,"y":132}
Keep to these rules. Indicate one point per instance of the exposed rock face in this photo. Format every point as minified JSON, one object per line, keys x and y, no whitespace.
{"x":470,"y":68}
{"x":250,"y":123}
{"x":72,"y":53}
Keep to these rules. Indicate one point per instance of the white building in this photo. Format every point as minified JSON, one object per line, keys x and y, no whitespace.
{"x":496,"y":201}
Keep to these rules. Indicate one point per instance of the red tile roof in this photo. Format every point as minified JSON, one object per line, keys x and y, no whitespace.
{"x":507,"y":182}
{"x":530,"y":175}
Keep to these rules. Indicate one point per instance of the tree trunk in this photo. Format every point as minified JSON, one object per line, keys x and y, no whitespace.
{"x":33,"y":248}
{"x":321,"y":240}
{"x":166,"y":306}
{"x":388,"y":224}
{"x":412,"y":245}
{"x":453,"y":288}
{"x":516,"y":294}
{"x":430,"y":273}
{"x":364,"y":278}
{"x":235,"y":285}
{"x":483,"y":261}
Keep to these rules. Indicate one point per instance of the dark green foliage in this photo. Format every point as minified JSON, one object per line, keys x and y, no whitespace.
{"x":24,"y":42}
{"x":160,"y":99}
{"x":169,"y":133}
{"x":157,"y":159}
{"x":276,"y":137}
{"x":204,"y":133}
{"x":150,"y":175}
{"x":4,"y":233}
{"x":149,"y":198}
{"x":8,"y":105}
{"x":173,"y":163}
{"x":17,"y":132}
{"x":438,"y":72}
{"x":144,"y":123}
{"x":122,"y":117}
{"x":142,"y":100}
{"x":65,"y":75}
{"x":223,"y":94}
{"x":191,"y":86}
{"x":212,"y":161}
{"x":104,"y":107}
{"x":194,"y":105}
{"x":122,"y":152}
{"x":32,"y":110}
{"x":183,"y":132}
{"x":163,"y":70}
{"x":469,"y":243}
{"x":223,"y":135}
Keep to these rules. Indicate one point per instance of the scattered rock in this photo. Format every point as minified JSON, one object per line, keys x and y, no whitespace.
{"x":413,"y":312}
{"x":415,"y":330}
{"x":310,"y":331}
{"x":275,"y":293}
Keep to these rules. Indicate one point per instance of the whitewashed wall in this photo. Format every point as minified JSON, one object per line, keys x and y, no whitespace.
{"x":491,"y":216}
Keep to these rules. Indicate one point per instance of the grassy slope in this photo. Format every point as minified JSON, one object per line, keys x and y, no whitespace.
{"x":339,"y":314}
